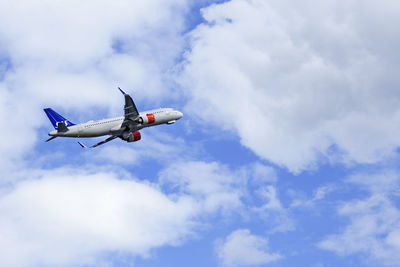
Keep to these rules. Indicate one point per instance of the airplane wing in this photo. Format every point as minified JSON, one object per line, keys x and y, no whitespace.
{"x":131,"y":112}
{"x":100,"y":143}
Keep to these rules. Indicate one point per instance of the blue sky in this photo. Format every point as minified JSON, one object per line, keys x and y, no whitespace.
{"x":286,"y":155}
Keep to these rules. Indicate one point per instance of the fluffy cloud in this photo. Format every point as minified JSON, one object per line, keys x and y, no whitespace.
{"x":214,"y":185}
{"x":77,"y":51}
{"x":249,"y":191}
{"x":299,"y":84}
{"x":374,"y":221}
{"x":73,"y":55}
{"x":319,"y":194}
{"x":76,"y":34}
{"x":68,"y":219}
{"x":241,"y":248}
{"x":275,"y":215}
{"x":67,"y":216}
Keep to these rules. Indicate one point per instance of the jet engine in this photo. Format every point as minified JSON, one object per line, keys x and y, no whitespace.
{"x":131,"y":136}
{"x":148,"y":119}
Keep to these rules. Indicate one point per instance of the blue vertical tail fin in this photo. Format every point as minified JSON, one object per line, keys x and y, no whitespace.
{"x":55,"y":118}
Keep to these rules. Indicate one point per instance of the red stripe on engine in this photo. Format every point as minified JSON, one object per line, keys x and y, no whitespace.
{"x":150,"y":118}
{"x":136,"y":136}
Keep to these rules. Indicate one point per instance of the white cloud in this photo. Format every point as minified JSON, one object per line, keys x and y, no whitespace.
{"x":248,"y":191}
{"x":68,"y":219}
{"x":76,"y":33}
{"x":263,"y":174}
{"x":59,"y":50}
{"x":214,"y":185}
{"x":275,"y":215}
{"x":374,"y":221}
{"x":319,"y":194}
{"x":297,"y":83}
{"x":67,"y":216}
{"x":241,"y":248}
{"x":73,"y":55}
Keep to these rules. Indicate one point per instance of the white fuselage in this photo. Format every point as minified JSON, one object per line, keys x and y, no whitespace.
{"x":113,"y":125}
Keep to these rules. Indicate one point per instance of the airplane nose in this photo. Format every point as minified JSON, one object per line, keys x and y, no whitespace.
{"x":180,"y":114}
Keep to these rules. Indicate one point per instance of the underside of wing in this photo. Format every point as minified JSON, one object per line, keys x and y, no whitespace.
{"x":100,"y":143}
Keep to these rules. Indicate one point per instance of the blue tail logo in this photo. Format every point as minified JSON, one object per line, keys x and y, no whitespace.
{"x":55,"y":118}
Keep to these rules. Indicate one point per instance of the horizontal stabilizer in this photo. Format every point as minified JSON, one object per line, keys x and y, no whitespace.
{"x":82,"y":145}
{"x":51,"y":138}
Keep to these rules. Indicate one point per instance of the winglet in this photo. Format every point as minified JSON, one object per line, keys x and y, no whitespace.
{"x":82,"y":145}
{"x":122,"y":91}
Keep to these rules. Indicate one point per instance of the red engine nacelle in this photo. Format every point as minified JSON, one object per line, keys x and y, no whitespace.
{"x":148,"y":119}
{"x":132,"y":137}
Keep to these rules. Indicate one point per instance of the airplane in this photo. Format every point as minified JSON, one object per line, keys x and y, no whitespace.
{"x":125,"y":127}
